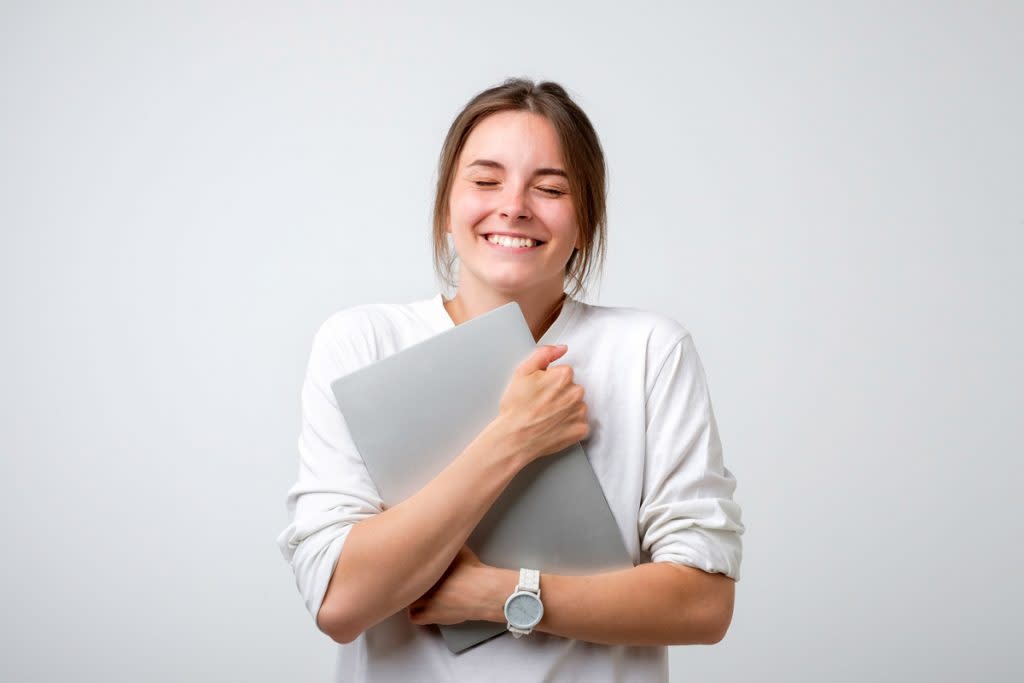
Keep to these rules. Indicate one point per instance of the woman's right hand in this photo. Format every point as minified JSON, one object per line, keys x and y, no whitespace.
{"x":542,"y":407}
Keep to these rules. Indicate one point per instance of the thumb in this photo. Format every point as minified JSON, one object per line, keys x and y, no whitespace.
{"x":541,"y":357}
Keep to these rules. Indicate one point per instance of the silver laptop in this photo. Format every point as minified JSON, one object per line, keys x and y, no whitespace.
{"x":412,"y":413}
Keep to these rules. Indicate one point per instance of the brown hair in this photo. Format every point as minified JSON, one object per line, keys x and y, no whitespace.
{"x":582,"y":154}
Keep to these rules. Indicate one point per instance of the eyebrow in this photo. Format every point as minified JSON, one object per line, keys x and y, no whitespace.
{"x":540,"y":171}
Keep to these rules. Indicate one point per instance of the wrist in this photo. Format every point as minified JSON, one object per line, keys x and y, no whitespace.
{"x":503,"y":441}
{"x":501,"y":584}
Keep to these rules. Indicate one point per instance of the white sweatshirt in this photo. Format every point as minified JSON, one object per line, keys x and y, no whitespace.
{"x":653,"y":444}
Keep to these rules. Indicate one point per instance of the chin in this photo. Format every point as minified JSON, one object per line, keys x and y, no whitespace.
{"x":510,"y":289}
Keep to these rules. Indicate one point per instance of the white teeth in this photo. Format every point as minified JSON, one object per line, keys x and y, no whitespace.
{"x":506,"y":241}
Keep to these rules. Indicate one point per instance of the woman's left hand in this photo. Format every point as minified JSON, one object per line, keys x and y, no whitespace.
{"x":467,"y":591}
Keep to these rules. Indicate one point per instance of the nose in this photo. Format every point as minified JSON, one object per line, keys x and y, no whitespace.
{"x":515,"y":206}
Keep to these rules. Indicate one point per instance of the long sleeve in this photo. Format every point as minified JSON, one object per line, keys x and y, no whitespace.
{"x":333,"y":490}
{"x":687,"y":514}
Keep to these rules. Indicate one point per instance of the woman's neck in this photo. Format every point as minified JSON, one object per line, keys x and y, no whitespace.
{"x":540,"y":310}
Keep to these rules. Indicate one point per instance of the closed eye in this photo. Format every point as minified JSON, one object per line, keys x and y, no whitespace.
{"x":547,"y":190}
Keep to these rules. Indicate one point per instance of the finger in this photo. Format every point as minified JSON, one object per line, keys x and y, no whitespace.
{"x":420,"y":617}
{"x":540,"y":358}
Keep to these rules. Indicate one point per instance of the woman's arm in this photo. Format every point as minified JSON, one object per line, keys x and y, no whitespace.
{"x":393,"y":557}
{"x":655,"y":603}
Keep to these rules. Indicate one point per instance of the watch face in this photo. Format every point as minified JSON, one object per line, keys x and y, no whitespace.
{"x":524,"y":610}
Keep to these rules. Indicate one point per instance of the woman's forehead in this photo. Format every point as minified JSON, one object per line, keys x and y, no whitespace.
{"x":513,"y":138}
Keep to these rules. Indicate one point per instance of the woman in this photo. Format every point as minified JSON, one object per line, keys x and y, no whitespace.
{"x":521,"y":197}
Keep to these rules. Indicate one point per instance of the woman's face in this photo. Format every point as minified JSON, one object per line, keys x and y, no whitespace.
{"x":510,"y":179}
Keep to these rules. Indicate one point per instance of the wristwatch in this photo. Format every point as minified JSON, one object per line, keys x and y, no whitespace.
{"x":523,"y":609}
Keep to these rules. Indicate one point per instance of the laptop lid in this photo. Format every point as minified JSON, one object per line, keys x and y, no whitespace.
{"x":412,"y":413}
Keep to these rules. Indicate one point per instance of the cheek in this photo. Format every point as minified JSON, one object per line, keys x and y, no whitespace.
{"x":558,"y":216}
{"x":469,"y":208}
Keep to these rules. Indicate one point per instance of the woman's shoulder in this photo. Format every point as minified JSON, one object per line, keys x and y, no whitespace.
{"x":364,"y":317}
{"x":660,"y":330}
{"x":365,"y":329}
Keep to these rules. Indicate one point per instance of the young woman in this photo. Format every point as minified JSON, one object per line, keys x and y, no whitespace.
{"x":521,"y":198}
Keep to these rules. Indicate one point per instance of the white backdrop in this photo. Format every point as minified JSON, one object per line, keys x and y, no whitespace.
{"x":829,"y":198}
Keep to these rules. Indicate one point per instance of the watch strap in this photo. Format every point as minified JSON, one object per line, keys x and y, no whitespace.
{"x":529,"y":580}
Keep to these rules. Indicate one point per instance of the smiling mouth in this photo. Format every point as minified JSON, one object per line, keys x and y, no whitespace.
{"x":537,"y":243}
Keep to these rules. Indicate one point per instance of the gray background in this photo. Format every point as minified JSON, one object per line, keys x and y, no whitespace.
{"x":829,"y":198}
